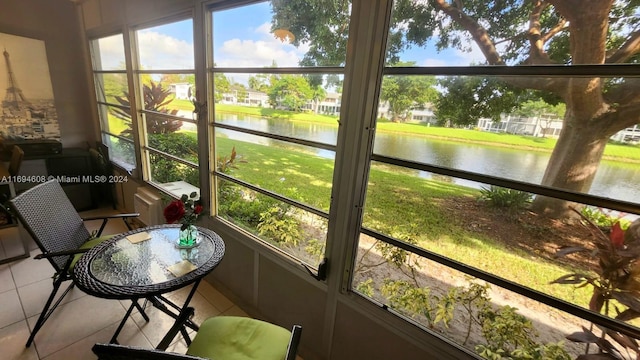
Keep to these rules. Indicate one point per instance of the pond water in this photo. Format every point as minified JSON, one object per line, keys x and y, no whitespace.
{"x":614,"y":179}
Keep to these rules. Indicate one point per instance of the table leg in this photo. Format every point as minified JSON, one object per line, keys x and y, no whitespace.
{"x":114,"y":338}
{"x":161,"y":303}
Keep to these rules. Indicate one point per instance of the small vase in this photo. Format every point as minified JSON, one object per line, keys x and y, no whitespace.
{"x":188,"y":237}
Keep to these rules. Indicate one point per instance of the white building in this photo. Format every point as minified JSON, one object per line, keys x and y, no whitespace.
{"x":245,"y":97}
{"x":630,"y":135}
{"x":541,"y":126}
{"x":181,"y":90}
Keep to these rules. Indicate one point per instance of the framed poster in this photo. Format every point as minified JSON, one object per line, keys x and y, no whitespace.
{"x":27,"y":107}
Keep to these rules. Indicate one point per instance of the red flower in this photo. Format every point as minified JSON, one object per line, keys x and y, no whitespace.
{"x":174,"y":211}
{"x":617,"y":235}
{"x":197,"y":209}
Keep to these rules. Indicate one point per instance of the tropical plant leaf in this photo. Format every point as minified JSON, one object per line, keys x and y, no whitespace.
{"x":570,"y":279}
{"x":627,"y":315}
{"x":584,"y":336}
{"x":627,"y":299}
{"x":623,"y":340}
{"x":595,"y":357}
{"x":607,"y":346}
{"x":566,"y":250}
{"x":597,"y":300}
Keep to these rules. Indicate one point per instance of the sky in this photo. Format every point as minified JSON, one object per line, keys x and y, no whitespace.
{"x":242,"y":38}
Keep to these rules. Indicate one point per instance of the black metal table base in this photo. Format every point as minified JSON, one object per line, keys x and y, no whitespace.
{"x":163,"y":304}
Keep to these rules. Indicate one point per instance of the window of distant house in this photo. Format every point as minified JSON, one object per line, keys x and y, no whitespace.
{"x":110,"y":78}
{"x":276,"y":121}
{"x":166,"y":89}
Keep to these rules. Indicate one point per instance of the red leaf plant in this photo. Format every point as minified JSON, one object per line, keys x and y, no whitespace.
{"x":616,"y":277}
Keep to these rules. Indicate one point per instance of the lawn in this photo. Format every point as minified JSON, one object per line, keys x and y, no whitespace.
{"x":401,"y":205}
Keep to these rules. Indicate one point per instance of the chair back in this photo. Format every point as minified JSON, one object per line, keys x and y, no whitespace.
{"x":292,"y":348}
{"x":17,"y":154}
{"x":51,"y":220}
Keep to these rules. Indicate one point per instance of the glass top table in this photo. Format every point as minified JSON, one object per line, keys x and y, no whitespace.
{"x":118,"y":268}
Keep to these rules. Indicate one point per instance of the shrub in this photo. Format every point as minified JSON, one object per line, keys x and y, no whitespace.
{"x":512,"y":336}
{"x":602,"y":220}
{"x":505,"y":198}
{"x":277,"y":225}
{"x":182,"y":145}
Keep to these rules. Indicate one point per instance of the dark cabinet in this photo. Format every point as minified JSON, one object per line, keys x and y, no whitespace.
{"x":72,"y":168}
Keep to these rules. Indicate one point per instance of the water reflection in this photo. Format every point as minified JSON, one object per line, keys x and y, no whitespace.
{"x":613,"y":179}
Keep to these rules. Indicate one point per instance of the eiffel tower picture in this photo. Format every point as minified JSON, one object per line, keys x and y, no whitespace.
{"x":27,"y":106}
{"x":14,"y":98}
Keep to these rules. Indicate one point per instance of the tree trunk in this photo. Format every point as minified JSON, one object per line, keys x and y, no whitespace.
{"x":577,"y":154}
{"x":573,"y":164}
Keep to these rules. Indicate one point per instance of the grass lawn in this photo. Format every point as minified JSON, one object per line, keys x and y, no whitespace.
{"x":401,"y":205}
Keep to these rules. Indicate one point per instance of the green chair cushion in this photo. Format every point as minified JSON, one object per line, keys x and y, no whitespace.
{"x":239,"y":338}
{"x":87,"y":245}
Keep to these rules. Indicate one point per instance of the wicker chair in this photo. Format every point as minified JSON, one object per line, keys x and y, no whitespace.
{"x":60,"y":233}
{"x":219,"y":338}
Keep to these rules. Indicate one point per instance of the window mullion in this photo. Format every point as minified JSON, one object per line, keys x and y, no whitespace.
{"x":363,"y":75}
{"x":130,"y":45}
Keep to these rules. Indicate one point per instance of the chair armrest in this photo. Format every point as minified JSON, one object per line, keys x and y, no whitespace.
{"x":114,"y":216}
{"x":60,"y":253}
{"x":106,"y":218}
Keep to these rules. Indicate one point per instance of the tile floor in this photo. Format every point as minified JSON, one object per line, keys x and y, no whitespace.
{"x":81,"y":320}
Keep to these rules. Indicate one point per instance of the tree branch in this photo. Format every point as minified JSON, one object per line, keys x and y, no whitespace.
{"x":478,"y":33}
{"x":621,"y":118}
{"x":558,"y":85}
{"x":560,"y":26}
{"x":625,"y":93}
{"x":537,"y":54}
{"x":627,"y":50}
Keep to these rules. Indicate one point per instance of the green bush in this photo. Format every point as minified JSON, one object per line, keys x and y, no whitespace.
{"x":505,"y":198}
{"x":277,"y":225}
{"x":233,"y":204}
{"x":182,"y":145}
{"x":510,"y":335}
{"x":601,"y":219}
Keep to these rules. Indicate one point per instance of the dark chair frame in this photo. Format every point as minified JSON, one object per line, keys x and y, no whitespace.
{"x":24,"y":207}
{"x":17,"y":155}
{"x":102,"y":166}
{"x":118,"y":352}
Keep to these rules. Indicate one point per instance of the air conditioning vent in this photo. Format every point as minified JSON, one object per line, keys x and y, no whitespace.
{"x":149,"y":205}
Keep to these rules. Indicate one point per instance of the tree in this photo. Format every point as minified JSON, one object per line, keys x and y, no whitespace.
{"x":263,"y":82}
{"x":291,"y":92}
{"x":465,"y":100}
{"x":242,"y":93}
{"x":319,"y":94}
{"x":518,"y":32}
{"x":221,"y":85}
{"x":404,"y":93}
{"x":540,"y":107}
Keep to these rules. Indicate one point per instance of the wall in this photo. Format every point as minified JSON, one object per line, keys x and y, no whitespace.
{"x":56,"y":22}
